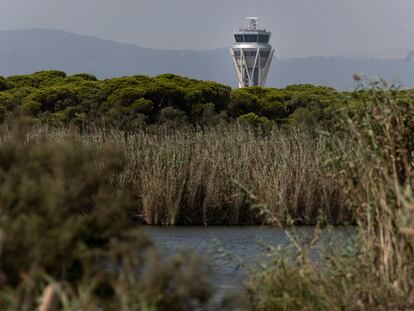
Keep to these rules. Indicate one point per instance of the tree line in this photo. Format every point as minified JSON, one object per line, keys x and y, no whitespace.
{"x":130,"y":102}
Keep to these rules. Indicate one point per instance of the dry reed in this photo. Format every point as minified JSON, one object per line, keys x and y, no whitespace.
{"x":190,"y":176}
{"x":374,"y":162}
{"x":379,"y":177}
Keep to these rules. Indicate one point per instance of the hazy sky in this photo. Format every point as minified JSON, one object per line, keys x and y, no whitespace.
{"x":300,"y":27}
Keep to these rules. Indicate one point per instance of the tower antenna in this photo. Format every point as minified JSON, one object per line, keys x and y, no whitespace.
{"x":252,"y":23}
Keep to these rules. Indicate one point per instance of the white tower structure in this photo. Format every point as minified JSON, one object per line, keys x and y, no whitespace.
{"x":252,"y":54}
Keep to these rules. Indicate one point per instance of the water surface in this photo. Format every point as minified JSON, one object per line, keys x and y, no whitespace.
{"x":230,"y":249}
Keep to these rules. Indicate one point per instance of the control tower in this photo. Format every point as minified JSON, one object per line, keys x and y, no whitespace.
{"x":252,"y":54}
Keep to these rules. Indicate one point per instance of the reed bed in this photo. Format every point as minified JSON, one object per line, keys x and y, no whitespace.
{"x":190,"y":176}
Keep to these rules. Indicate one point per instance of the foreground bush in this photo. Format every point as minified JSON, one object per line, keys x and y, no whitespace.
{"x":342,"y":281}
{"x":380,"y":175}
{"x":377,"y":173}
{"x":68,"y":234}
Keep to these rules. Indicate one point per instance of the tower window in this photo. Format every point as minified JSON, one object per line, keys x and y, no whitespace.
{"x":264,"y":38}
{"x":239,"y":38}
{"x":250,"y":38}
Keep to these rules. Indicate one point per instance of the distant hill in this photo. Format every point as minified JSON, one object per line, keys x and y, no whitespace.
{"x":27,"y":51}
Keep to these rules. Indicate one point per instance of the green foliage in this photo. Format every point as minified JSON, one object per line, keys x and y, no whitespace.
{"x":172,"y":117}
{"x":4,"y":85}
{"x":6,"y":100}
{"x":111,"y":85}
{"x":307,"y":117}
{"x":142,"y":105}
{"x":31,"y":107}
{"x":242,"y":101}
{"x":50,"y":193}
{"x":19,"y":94}
{"x":342,"y":281}
{"x":181,"y":284}
{"x":38,"y":79}
{"x":205,"y":115}
{"x":199,"y":109}
{"x":85,"y":76}
{"x":125,"y":96}
{"x":67,"y":222}
{"x":280,"y":104}
{"x":120,"y":102}
{"x":81,"y":99}
{"x":253,"y":119}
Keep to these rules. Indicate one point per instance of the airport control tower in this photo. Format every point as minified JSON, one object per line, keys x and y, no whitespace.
{"x":252,"y":54}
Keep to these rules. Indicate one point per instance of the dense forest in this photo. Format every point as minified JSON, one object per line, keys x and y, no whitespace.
{"x":128,"y":102}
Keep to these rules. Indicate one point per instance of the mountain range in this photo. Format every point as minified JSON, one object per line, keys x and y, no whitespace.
{"x":31,"y":50}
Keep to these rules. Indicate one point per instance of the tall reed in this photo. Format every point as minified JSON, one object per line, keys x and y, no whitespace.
{"x":374,"y":162}
{"x":191,"y":176}
{"x":379,"y":177}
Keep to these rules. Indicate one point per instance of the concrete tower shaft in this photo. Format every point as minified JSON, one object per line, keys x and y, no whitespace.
{"x":252,"y":54}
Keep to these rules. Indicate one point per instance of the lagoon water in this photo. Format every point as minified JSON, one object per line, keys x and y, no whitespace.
{"x":233,"y":250}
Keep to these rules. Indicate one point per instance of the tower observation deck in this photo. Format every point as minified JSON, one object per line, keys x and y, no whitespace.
{"x":252,"y":54}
